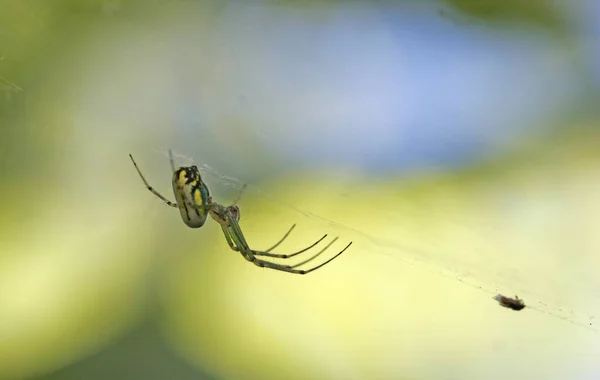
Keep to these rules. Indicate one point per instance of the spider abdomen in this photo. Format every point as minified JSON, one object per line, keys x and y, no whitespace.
{"x":191,"y":195}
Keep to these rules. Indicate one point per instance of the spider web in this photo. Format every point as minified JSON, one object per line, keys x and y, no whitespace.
{"x":488,"y":276}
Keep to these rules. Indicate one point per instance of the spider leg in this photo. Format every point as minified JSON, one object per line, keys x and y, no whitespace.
{"x":228,"y":238}
{"x":237,"y":242}
{"x":291,"y":268}
{"x":172,"y":160}
{"x":239,"y":195}
{"x":236,"y":231}
{"x":235,"y":238}
{"x":279,"y":256}
{"x":315,"y":255}
{"x":168,"y":202}
{"x":282,"y":239}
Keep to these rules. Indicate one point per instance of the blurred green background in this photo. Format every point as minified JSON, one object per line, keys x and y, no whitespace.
{"x":456,"y":143}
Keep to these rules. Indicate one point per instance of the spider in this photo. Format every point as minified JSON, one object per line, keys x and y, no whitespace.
{"x":195,"y":204}
{"x":511,"y":303}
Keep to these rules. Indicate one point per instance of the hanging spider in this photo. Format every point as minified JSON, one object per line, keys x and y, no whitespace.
{"x":195,"y":204}
{"x":511,"y":303}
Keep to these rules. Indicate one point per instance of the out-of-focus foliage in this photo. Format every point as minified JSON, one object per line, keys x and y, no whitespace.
{"x":141,"y":353}
{"x":542,"y":13}
{"x":308,"y":111}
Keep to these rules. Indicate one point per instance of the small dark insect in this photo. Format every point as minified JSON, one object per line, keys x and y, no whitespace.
{"x":511,"y":303}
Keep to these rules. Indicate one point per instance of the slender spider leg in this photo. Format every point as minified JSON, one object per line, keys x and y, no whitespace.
{"x":281,"y":240}
{"x":229,"y":241}
{"x":172,"y":160}
{"x":290,"y":269}
{"x":236,"y":240}
{"x":234,"y":213}
{"x":224,"y":216}
{"x":239,"y":195}
{"x":279,"y":256}
{"x":241,"y":242}
{"x":314,"y":256}
{"x":168,"y":202}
